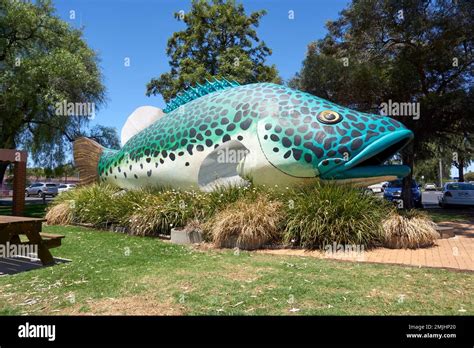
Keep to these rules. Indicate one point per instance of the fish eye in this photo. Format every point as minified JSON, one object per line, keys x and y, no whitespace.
{"x":329,"y":117}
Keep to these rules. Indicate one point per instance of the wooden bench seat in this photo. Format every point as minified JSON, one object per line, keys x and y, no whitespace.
{"x":51,"y":240}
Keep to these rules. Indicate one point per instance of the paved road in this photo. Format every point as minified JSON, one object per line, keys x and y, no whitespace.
{"x":28,"y":200}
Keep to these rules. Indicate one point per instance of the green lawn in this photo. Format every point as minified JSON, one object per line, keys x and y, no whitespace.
{"x":115,"y":273}
{"x":453,"y":215}
{"x":31,"y":210}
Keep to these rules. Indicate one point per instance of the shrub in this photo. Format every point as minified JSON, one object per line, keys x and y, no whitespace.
{"x":409,"y":229}
{"x":60,"y":214}
{"x":94,"y":204}
{"x":246,"y":224}
{"x":328,"y":213}
{"x":165,"y":209}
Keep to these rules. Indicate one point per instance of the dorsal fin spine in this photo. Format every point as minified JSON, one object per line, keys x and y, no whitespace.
{"x":197,"y":91}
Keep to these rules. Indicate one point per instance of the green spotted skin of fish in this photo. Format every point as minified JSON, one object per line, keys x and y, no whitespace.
{"x":284,"y":120}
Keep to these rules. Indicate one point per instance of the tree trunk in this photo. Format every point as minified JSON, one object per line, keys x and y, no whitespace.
{"x":408,"y":160}
{"x":461,"y":170}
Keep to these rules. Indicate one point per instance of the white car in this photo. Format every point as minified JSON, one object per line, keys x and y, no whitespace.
{"x":430,"y":187}
{"x":457,"y":193}
{"x":377,"y":188}
{"x":66,"y":187}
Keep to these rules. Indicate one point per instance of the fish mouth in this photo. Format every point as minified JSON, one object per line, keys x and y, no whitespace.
{"x":369,"y":162}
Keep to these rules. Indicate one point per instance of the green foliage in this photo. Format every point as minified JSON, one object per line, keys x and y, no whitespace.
{"x":43,"y":61}
{"x":332,"y":213}
{"x":93,"y":204}
{"x":219,"y":41}
{"x":314,"y":215}
{"x":469,"y":176}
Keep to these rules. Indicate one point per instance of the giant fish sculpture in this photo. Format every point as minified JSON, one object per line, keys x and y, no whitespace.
{"x":226,"y":133}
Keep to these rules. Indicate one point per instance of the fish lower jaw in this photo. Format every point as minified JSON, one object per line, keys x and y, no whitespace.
{"x":370,"y":171}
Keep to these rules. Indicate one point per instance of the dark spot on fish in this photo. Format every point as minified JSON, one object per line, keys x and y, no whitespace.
{"x":297,"y":154}
{"x":345,"y":140}
{"x":328,"y":143}
{"x":356,"y":144}
{"x":351,"y":117}
{"x":343,"y":150}
{"x":246,"y":124}
{"x":189,"y":148}
{"x":355,"y":134}
{"x":319,"y":137}
{"x":329,"y":129}
{"x":370,"y":134}
{"x":286,"y":142}
{"x":316,"y":150}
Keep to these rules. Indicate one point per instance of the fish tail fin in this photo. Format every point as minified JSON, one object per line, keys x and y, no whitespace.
{"x":87,"y":154}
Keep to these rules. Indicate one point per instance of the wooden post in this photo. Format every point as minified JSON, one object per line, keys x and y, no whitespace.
{"x":19,"y":183}
{"x":18,"y":158}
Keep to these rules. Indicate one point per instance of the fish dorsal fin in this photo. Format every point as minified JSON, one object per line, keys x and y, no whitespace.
{"x":138,"y":120}
{"x":199,"y":90}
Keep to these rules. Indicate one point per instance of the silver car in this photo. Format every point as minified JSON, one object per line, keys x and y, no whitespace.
{"x":42,"y":189}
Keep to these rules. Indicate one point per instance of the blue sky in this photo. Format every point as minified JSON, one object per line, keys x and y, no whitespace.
{"x":139,"y":30}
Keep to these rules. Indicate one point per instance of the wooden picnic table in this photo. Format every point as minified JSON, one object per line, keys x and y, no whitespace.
{"x":11,"y":227}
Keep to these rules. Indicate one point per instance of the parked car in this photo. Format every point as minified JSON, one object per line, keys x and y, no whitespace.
{"x":66,"y":187}
{"x":42,"y":189}
{"x":430,"y":187}
{"x":393,"y":192}
{"x":377,"y":188}
{"x":457,"y":193}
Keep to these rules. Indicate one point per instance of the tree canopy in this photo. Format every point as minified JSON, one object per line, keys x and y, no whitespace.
{"x":220,"y":41}
{"x":417,"y":51}
{"x":43,"y":62}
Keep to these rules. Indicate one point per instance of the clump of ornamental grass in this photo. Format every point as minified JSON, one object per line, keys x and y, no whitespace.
{"x":163,"y":211}
{"x":409,"y":229}
{"x":60,"y":214}
{"x":246,"y":224}
{"x":93,"y":204}
{"x":327,"y":213}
